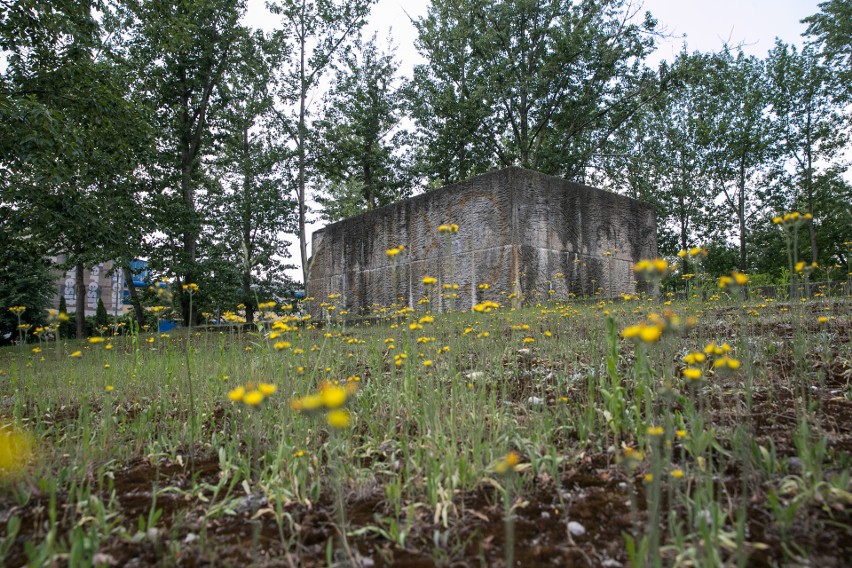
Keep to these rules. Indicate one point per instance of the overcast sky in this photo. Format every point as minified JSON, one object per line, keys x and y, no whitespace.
{"x":706,"y":24}
{"x":703,"y":25}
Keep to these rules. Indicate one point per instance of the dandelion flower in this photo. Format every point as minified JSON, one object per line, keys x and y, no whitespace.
{"x":95,"y":340}
{"x":650,"y":334}
{"x":267,"y":388}
{"x":109,"y":388}
{"x":507,"y":463}
{"x":654,"y":431}
{"x":726,"y":361}
{"x":631,"y":331}
{"x":333,"y":396}
{"x":694,"y":357}
{"x":339,"y":418}
{"x":253,"y":398}
{"x":16,"y":450}
{"x":77,"y":354}
{"x":692,"y":373}
{"x":677,"y":473}
{"x":237,"y":394}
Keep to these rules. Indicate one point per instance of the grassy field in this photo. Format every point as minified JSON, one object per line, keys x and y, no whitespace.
{"x":564,"y":433}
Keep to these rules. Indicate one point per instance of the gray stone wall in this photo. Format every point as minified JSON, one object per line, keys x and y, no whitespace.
{"x":519,"y":231}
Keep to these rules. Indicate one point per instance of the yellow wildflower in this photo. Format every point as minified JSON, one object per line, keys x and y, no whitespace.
{"x":16,"y":450}
{"x":339,"y":418}
{"x":654,"y":430}
{"x":333,"y":396}
{"x":692,"y":373}
{"x":507,"y":463}
{"x":726,"y":361}
{"x":650,"y":334}
{"x":694,"y":357}
{"x":253,"y":398}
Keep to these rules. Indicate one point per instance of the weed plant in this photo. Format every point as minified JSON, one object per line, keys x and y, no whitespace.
{"x":704,"y":431}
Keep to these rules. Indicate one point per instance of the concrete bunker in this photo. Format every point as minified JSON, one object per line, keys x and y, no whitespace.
{"x":521,"y":232}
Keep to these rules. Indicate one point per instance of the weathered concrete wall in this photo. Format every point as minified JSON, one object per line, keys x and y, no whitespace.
{"x":519,"y":231}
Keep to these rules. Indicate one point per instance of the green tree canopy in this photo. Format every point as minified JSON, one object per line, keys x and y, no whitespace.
{"x":543,"y":84}
{"x":361,"y":144}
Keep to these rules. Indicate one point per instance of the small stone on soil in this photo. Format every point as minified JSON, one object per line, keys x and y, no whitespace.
{"x":576,"y":529}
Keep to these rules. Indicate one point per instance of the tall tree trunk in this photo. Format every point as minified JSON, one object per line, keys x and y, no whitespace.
{"x":303,"y":88}
{"x":684,"y":230}
{"x":525,"y":129}
{"x":247,"y":294}
{"x":138,"y":312}
{"x":741,"y":215}
{"x":809,"y":181}
{"x":80,"y":293}
{"x":248,"y":250}
{"x":190,"y":237}
{"x":369,"y":190}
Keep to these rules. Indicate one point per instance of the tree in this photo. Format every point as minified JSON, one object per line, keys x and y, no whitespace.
{"x":319,"y":30}
{"x":27,"y":279}
{"x":251,"y":211}
{"x":101,"y":315}
{"x":808,"y":120}
{"x":662,"y":160}
{"x":449,"y":97}
{"x":359,"y":136}
{"x":831,"y":29}
{"x":182,"y":52}
{"x":75,"y":136}
{"x":541,"y":84}
{"x":736,"y":131}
